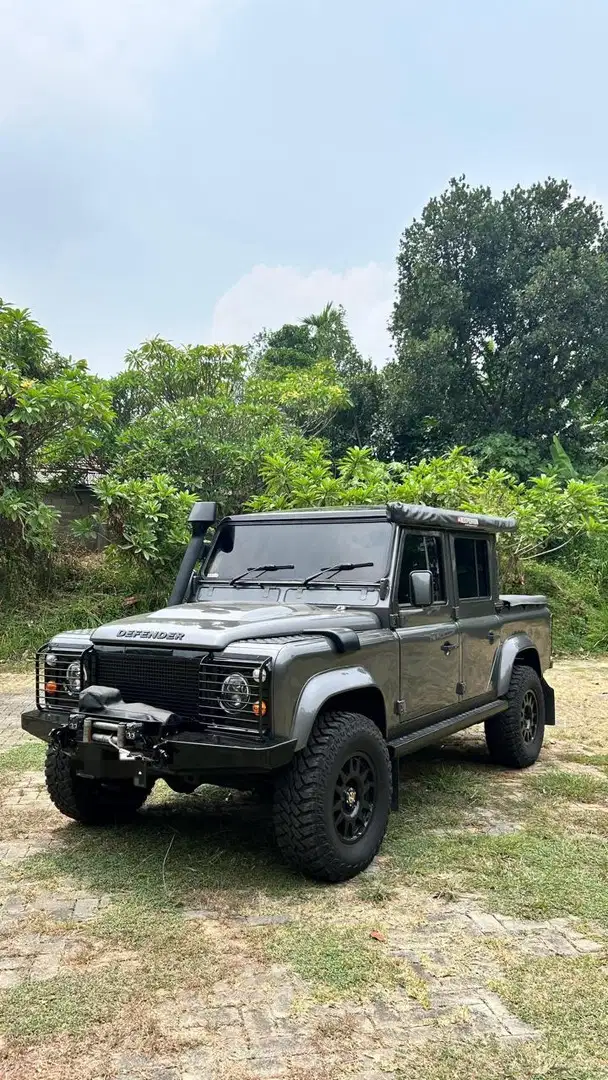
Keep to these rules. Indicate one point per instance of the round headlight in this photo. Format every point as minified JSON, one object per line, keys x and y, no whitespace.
{"x":50,"y":659}
{"x":234,"y":695}
{"x":73,"y":679}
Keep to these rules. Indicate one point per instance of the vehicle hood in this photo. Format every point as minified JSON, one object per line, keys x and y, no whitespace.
{"x":215,"y":626}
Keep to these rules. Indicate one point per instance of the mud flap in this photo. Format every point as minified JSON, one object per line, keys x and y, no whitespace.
{"x":549,"y":696}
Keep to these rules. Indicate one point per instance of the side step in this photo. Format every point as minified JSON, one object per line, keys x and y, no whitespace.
{"x":416,"y":740}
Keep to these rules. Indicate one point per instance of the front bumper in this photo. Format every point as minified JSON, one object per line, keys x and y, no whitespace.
{"x":196,"y":755}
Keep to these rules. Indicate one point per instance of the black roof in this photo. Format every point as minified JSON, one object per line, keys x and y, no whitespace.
{"x":401,"y":513}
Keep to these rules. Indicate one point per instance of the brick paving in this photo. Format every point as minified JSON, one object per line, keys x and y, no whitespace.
{"x":11,"y":707}
{"x":27,"y":791}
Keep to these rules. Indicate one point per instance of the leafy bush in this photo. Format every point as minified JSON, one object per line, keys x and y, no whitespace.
{"x":551,"y":514}
{"x":147,"y":520}
{"x":580,"y":613}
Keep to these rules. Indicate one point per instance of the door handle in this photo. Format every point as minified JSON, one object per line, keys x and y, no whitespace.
{"x":447,"y":647}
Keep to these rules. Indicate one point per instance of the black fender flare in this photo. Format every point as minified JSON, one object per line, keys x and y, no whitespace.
{"x":506,"y":659}
{"x":317,"y":692}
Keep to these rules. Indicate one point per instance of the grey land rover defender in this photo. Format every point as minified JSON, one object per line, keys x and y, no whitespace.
{"x":305,"y":651}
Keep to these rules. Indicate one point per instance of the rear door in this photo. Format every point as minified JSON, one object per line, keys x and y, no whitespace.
{"x":428,"y":637}
{"x":473,"y":567}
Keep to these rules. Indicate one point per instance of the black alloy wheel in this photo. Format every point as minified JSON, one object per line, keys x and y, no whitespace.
{"x":529,"y":716}
{"x":354,"y":798}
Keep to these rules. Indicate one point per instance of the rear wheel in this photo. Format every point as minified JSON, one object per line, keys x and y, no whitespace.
{"x":93,"y":802}
{"x":331,"y":806}
{"x":515,"y":737}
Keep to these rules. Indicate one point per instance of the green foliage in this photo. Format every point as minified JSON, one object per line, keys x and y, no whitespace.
{"x":69,"y":592}
{"x":580,"y":612}
{"x":146,"y":519}
{"x":521,"y":457}
{"x":307,"y":399}
{"x":501,"y":318}
{"x":212,"y":446}
{"x":159,"y":373}
{"x":564,"y":467}
{"x":327,"y":386}
{"x":550,"y":514}
{"x":52,"y":418}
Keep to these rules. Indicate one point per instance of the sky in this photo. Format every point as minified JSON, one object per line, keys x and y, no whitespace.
{"x":200,"y":169}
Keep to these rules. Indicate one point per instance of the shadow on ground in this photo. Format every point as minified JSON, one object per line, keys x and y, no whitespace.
{"x":221,"y":842}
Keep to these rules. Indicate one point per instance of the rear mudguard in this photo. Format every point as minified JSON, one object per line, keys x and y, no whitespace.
{"x":506,"y":658}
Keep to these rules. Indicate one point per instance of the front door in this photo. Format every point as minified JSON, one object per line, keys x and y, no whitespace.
{"x":429,"y":644}
{"x":476,"y":595}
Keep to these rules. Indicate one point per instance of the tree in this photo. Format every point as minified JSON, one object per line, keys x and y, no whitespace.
{"x":320,"y":356}
{"x":53,"y":415}
{"x":159,"y":373}
{"x":212,"y":446}
{"x":501,"y":318}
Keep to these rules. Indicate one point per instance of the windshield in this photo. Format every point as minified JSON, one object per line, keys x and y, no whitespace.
{"x":309,"y":545}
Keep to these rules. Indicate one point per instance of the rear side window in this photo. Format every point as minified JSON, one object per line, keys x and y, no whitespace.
{"x":472,"y":567}
{"x":421,"y":552}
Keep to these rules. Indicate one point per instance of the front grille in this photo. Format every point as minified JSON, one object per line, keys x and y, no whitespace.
{"x":48,"y":675}
{"x":158,"y":677}
{"x":213,"y":672}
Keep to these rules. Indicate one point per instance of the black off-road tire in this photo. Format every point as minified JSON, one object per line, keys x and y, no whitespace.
{"x":515,"y":737}
{"x":92,"y":802}
{"x":306,"y":821}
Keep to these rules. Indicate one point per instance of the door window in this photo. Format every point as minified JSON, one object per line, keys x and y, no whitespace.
{"x":421,"y":552}
{"x":472,"y":567}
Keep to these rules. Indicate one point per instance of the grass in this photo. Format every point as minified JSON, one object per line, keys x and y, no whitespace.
{"x":529,"y":874}
{"x":215,"y":851}
{"x":578,"y":604}
{"x":27,"y":757}
{"x":558,"y":784}
{"x":72,"y":593}
{"x":340,"y":962}
{"x":441,"y":793}
{"x":67,"y":1004}
{"x":566,"y":1000}
{"x":179,"y":850}
{"x":599,"y":760}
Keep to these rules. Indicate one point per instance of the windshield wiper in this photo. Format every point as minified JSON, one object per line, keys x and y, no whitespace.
{"x":261,"y":569}
{"x":335,"y":569}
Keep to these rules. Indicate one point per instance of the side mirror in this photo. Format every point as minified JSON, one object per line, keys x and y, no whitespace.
{"x":421,"y":588}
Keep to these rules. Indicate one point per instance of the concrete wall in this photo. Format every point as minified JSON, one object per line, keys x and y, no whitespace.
{"x":72,"y":506}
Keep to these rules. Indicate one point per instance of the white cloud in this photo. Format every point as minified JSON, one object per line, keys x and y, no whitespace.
{"x":93,"y":53}
{"x":271,"y":295}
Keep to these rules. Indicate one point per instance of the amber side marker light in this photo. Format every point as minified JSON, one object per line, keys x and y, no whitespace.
{"x":51,"y":687}
{"x":259,"y":708}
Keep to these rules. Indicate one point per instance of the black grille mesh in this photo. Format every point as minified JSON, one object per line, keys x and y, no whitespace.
{"x":160,"y":678}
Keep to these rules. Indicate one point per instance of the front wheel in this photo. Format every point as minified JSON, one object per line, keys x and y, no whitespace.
{"x":331,"y":806}
{"x":515,"y":737}
{"x":92,"y":802}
